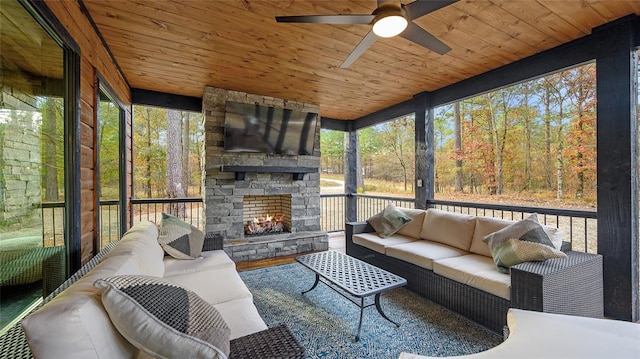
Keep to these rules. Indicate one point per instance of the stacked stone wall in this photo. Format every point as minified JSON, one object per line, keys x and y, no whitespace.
{"x":20,"y":178}
{"x":224,"y":194}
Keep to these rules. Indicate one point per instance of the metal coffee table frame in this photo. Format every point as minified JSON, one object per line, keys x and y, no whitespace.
{"x":345,"y":274}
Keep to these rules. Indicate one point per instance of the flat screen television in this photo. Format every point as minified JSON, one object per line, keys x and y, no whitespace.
{"x":266,"y":129}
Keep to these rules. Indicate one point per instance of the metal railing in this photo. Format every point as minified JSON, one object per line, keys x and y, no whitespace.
{"x":579,"y":226}
{"x":368,"y":205}
{"x":189,"y":209}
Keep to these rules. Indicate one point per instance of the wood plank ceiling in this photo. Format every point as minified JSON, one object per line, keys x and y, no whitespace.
{"x":179,"y":46}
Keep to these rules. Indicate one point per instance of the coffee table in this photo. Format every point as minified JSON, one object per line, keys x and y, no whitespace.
{"x":359,"y":280}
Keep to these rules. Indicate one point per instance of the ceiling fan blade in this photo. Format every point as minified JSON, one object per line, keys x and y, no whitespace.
{"x":364,"y":44}
{"x":328,"y":19}
{"x":418,"y":35}
{"x":420,"y":8}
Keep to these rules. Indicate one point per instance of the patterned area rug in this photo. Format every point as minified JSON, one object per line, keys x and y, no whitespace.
{"x":326,"y":323}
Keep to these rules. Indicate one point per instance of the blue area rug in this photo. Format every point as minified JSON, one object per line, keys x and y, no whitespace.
{"x":325,"y":323}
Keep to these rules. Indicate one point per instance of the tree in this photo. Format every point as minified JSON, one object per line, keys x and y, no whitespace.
{"x":175,"y":187}
{"x":398,"y":139}
{"x":185,"y":151}
{"x":580,"y":150}
{"x":332,"y":148}
{"x":458,"y":147}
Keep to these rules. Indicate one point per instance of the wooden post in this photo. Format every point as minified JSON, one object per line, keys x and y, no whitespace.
{"x":425,"y":150}
{"x":617,"y":143}
{"x":351,"y":174}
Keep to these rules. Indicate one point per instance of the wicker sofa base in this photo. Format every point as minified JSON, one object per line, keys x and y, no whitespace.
{"x":484,"y":308}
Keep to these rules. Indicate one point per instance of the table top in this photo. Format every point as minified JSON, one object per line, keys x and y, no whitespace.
{"x":352,"y":275}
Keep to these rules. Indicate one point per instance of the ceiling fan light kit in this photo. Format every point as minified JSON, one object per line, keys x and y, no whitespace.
{"x":389,"y":23}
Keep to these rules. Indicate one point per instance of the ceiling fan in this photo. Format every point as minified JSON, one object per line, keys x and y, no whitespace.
{"x":389,"y":19}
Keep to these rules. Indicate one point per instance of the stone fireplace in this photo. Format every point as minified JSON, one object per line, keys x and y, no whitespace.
{"x":242,"y":187}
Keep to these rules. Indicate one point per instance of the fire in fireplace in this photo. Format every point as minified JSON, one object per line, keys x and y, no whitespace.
{"x":263,"y":215}
{"x":264,"y":225}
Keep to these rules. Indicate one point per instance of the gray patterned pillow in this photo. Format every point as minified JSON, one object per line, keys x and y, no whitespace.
{"x":180,"y":239}
{"x":389,"y":221}
{"x":523,"y":241}
{"x":163,"y":319}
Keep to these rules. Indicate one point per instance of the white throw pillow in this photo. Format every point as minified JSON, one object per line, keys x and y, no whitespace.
{"x":163,"y":319}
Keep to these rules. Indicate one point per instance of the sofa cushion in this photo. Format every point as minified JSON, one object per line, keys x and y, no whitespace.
{"x":228,"y":284}
{"x":206,"y":260}
{"x":422,"y":253}
{"x":163,"y":319}
{"x":488,"y":225}
{"x":180,"y":239}
{"x":449,"y":228}
{"x":141,"y":241}
{"x":520,"y":242}
{"x":374,"y":242}
{"x":477,"y":271}
{"x":75,"y":324}
{"x":242,"y":317}
{"x":413,"y":228}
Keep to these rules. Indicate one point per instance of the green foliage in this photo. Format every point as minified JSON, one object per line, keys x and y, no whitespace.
{"x":149,"y":151}
{"x":332,"y":148}
{"x":109,"y":151}
{"x":537,"y":137}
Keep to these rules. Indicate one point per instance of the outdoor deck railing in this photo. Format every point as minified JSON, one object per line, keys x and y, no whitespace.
{"x":579,"y":226}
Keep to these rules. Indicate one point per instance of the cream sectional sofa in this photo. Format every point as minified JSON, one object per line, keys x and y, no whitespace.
{"x":443,"y":257}
{"x":74,"y":324}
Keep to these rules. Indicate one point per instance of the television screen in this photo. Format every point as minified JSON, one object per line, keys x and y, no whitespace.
{"x":257,"y":128}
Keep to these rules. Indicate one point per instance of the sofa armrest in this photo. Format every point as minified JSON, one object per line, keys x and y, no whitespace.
{"x":352,"y":228}
{"x":572,"y":285}
{"x":276,"y":342}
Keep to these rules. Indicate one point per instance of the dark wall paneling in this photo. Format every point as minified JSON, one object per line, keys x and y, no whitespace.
{"x":386,"y":114}
{"x":335,"y":125}
{"x":161,"y":99}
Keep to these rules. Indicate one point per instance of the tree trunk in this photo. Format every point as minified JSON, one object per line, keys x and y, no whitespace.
{"x":50,"y":152}
{"x":528,"y":183}
{"x":493,"y":137}
{"x":148,"y":156}
{"x":458,"y":187}
{"x":359,"y":169}
{"x":559,"y":159}
{"x":548,"y":166}
{"x":175,"y":188}
{"x":186,"y":173}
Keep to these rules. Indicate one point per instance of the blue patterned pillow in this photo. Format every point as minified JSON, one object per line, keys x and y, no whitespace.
{"x":163,"y":319}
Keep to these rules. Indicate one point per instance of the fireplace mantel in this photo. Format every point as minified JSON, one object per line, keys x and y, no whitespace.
{"x":240,"y":171}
